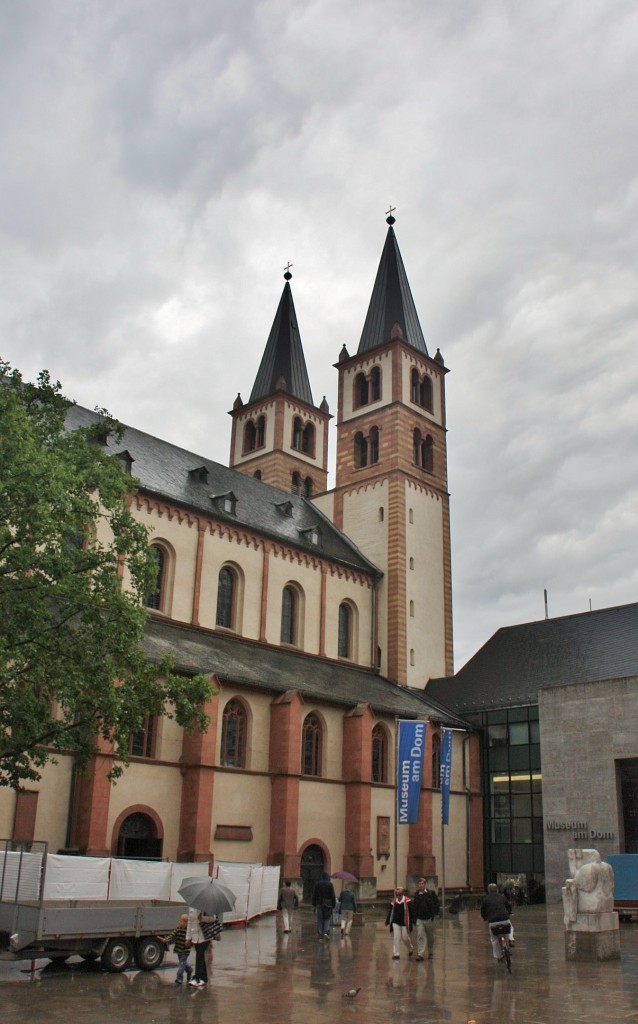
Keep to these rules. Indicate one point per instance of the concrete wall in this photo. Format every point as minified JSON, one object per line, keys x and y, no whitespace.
{"x":585,"y":729}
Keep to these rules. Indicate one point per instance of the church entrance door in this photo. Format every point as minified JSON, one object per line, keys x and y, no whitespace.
{"x":137,"y":838}
{"x":312,"y":866}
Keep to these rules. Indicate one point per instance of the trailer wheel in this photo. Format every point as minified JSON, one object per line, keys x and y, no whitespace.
{"x":117,"y":955}
{"x":149,"y":953}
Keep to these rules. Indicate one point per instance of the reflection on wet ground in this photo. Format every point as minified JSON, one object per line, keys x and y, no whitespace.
{"x":260,"y":975}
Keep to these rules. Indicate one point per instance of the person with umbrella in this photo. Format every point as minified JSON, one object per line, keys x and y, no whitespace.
{"x":207,"y":901}
{"x":347,"y":900}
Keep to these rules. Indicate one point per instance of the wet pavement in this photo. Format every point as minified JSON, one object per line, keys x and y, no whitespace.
{"x":260,"y":975}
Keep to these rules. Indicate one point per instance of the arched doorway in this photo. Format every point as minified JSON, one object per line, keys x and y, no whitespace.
{"x":312,"y":865}
{"x":138,"y":838}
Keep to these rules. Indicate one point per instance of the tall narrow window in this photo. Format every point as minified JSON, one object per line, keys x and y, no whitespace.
{"x":296,"y":434}
{"x":225,"y":598}
{"x":250,"y":437}
{"x":425,"y":393}
{"x":261,"y":432}
{"x":233,"y":751}
{"x":308,"y":439}
{"x":296,"y":483}
{"x":155,"y":599}
{"x":345,"y":631}
{"x":414,"y":386}
{"x":416,"y":447}
{"x":428,"y":454}
{"x":360,"y":451}
{"x":288,"y":616}
{"x":360,"y":390}
{"x":379,"y":755}
{"x":375,"y":384}
{"x":374,"y":446}
{"x":141,"y":741}
{"x":307,"y":487}
{"x":311,"y":746}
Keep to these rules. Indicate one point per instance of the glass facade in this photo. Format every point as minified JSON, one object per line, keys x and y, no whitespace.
{"x":513,"y":798}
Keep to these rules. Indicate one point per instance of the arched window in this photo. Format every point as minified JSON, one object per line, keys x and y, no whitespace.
{"x":226,"y":587}
{"x":296,"y":434}
{"x":425,"y":393}
{"x":156,"y":599}
{"x":261,"y":432}
{"x":360,"y":390}
{"x":257,"y":474}
{"x":414,"y":386}
{"x":375,"y":383}
{"x":250,"y":437}
{"x":411,"y":609}
{"x":427,"y":454}
{"x":307,"y":487}
{"x":289,"y":616}
{"x":416,"y":447}
{"x":345,"y":631}
{"x":374,"y":446}
{"x":296,"y":483}
{"x":308,"y":439}
{"x":311,"y":746}
{"x":436,"y":760}
{"x":233,"y":751}
{"x":379,"y":754}
{"x":360,"y":451}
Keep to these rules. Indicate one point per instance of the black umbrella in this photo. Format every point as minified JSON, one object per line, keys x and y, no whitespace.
{"x":207,"y":895}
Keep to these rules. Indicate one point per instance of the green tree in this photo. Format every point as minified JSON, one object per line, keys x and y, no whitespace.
{"x":71,"y":663}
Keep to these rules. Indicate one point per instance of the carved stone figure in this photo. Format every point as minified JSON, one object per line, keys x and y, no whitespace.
{"x":590,"y":890}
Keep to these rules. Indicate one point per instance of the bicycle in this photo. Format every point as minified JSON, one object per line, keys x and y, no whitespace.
{"x":502,"y":930}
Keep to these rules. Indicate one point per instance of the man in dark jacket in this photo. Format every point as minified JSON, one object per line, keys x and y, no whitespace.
{"x":425,"y":907}
{"x":324,"y":900}
{"x":496,"y":909}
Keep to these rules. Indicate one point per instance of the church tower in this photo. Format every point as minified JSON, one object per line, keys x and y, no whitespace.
{"x":391,"y":493}
{"x":280,"y":436}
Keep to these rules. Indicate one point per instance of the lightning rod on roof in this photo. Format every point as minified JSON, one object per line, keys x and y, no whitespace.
{"x":546,"y":606}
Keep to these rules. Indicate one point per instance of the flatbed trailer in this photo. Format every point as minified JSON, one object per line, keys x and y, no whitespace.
{"x":117,"y":932}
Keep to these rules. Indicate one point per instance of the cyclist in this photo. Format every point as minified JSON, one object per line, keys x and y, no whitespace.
{"x":496,"y":909}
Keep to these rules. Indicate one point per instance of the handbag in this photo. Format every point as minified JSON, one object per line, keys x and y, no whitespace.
{"x":211,"y":929}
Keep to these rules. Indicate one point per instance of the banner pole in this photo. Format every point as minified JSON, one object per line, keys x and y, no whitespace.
{"x":396,"y":801}
{"x":442,"y":868}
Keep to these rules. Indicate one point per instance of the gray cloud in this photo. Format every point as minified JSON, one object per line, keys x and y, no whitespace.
{"x":162,"y":162}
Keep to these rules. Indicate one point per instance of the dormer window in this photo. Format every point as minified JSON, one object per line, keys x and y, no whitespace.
{"x":199,"y":475}
{"x":312,"y":535}
{"x":225,"y":502}
{"x":127,"y":461}
{"x":285,"y":507}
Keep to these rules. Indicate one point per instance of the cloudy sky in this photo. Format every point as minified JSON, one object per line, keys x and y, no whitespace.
{"x":161,"y":162}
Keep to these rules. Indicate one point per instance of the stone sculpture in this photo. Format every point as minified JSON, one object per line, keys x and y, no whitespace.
{"x":591,"y":926}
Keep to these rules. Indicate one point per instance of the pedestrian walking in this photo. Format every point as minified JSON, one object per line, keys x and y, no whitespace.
{"x":425,"y":908}
{"x":399,"y":920}
{"x":178,"y":940}
{"x":195,"y":935}
{"x":287,"y":904}
{"x":324,"y":900}
{"x":348,"y":910}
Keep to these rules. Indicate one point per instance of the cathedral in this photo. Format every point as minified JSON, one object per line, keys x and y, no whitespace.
{"x":320,"y":615}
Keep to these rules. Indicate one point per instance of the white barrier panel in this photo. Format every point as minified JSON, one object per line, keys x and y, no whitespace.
{"x":269,"y":889}
{"x":140,"y":880}
{"x":76,"y":878}
{"x":181,"y":871}
{"x":237,"y":878}
{"x":21,"y":874}
{"x":254,"y":891}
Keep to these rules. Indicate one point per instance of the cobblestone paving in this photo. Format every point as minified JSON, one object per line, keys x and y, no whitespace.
{"x":260,"y":976}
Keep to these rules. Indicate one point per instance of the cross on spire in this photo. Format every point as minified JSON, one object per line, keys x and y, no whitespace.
{"x":287,"y":273}
{"x":389,"y":218}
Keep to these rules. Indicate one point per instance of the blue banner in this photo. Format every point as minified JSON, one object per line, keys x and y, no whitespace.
{"x":409,"y":767}
{"x":446,"y":774}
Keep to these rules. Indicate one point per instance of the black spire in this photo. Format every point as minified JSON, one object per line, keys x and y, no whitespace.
{"x":283,"y":359}
{"x":391,"y":313}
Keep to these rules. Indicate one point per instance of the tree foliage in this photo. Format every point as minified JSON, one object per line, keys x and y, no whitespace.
{"x":71,"y":664}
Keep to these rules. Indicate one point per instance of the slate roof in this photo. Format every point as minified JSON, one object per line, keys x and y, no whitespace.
{"x":391,"y":303}
{"x":237,"y":661}
{"x":518,"y":661}
{"x":166,"y":471}
{"x":283,"y":356}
